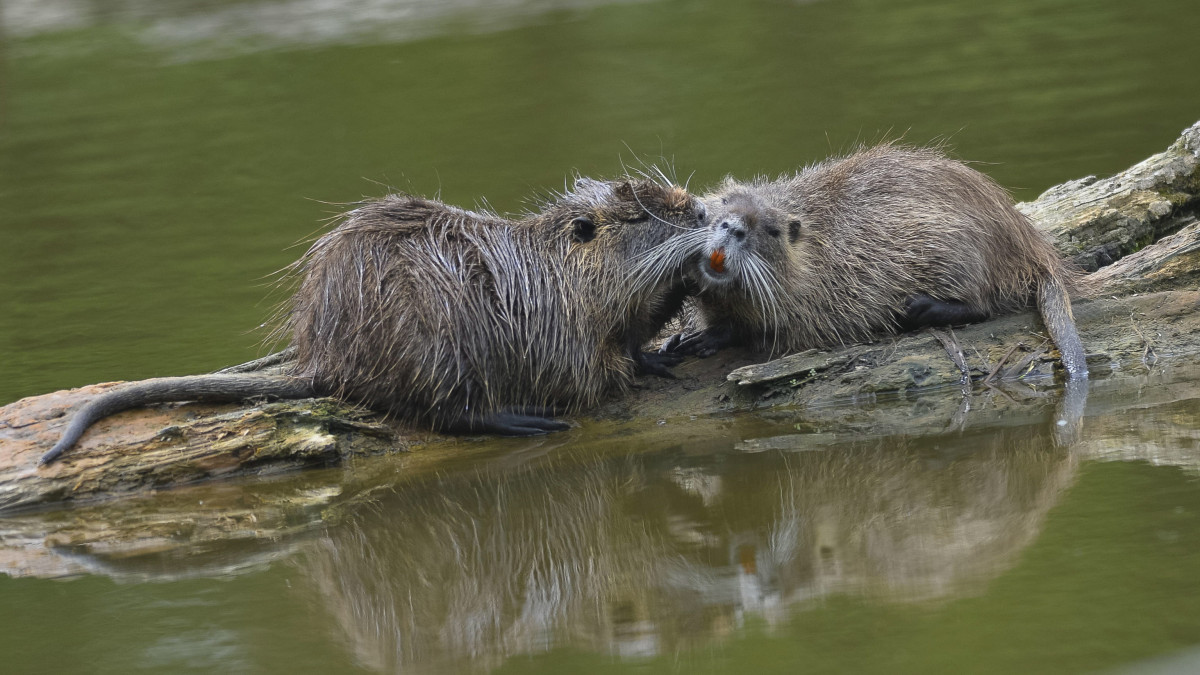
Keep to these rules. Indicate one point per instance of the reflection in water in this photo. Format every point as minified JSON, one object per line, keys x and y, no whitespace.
{"x":623,"y":546}
{"x":646,"y":554}
{"x":1068,"y":414}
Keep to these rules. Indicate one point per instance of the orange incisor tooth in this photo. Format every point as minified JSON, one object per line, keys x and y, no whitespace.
{"x":717,"y":260}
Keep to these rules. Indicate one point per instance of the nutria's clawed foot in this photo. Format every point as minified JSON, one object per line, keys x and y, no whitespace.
{"x":703,"y":344}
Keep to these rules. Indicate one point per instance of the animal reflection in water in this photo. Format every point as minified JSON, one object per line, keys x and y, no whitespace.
{"x":646,"y":554}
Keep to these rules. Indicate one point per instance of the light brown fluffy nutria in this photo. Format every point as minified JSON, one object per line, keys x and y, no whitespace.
{"x":887,"y":238}
{"x":468,"y":322}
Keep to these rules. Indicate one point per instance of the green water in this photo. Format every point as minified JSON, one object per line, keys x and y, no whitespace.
{"x":159,"y":160}
{"x":683,"y":547}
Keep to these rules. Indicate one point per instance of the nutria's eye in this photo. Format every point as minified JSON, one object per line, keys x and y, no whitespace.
{"x":583,"y":230}
{"x":793,"y":230}
{"x":724,"y":200}
{"x":772,"y":230}
{"x":701,"y":211}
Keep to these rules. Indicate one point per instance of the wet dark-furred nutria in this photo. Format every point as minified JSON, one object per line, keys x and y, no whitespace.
{"x":468,"y":322}
{"x":888,"y":238}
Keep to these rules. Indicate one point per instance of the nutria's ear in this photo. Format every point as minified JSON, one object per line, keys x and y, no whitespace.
{"x":583,"y":230}
{"x":794,"y":227}
{"x":624,"y":190}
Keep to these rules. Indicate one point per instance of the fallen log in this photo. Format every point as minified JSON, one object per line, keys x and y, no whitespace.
{"x":1143,"y":313}
{"x":1097,"y":222}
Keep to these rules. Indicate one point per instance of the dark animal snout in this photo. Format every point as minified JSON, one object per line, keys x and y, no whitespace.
{"x":736,"y":228}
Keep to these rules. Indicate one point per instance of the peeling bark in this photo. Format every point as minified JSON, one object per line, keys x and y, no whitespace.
{"x":173,"y":445}
{"x":1097,"y":222}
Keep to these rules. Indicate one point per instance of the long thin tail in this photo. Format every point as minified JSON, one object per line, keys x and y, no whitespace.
{"x":210,"y":388}
{"x":1055,"y":306}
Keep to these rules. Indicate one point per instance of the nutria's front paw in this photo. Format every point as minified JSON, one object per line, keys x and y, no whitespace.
{"x":703,"y":344}
{"x":671,"y":344}
{"x":656,"y":363}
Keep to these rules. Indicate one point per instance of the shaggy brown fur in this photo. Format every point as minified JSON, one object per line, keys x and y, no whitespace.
{"x":448,"y":318}
{"x":887,"y":238}
{"x":468,"y":322}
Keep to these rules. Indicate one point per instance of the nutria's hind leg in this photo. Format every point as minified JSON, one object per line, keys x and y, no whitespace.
{"x":921,"y":311}
{"x":506,"y":424}
{"x":704,"y":343}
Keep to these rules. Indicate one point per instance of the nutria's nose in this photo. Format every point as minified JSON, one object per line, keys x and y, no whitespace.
{"x":735,"y":227}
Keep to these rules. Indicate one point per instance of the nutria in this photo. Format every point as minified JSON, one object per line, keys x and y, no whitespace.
{"x":888,"y":238}
{"x":467,"y":322}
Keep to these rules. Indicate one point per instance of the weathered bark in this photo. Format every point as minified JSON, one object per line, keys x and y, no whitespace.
{"x":1094,"y":221}
{"x":1171,"y":262}
{"x":173,"y":445}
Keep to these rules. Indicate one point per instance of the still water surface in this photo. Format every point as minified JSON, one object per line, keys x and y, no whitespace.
{"x":994,"y":549}
{"x":157,"y":160}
